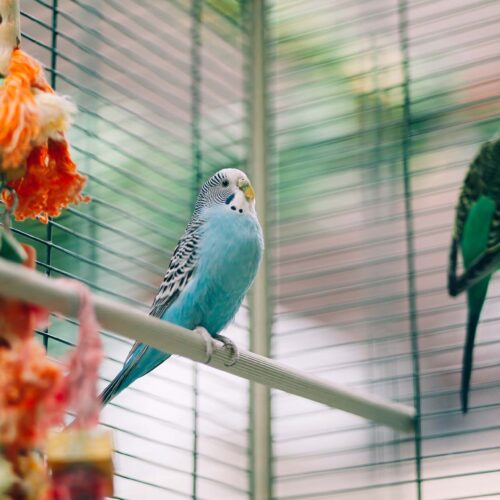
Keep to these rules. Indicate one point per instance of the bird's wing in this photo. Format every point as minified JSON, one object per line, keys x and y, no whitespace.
{"x":474,"y":242}
{"x":181,"y":268}
{"x":477,"y":228}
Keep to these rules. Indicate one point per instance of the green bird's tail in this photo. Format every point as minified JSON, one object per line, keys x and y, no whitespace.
{"x":474,"y":243}
{"x":475,"y":300}
{"x":476,"y":231}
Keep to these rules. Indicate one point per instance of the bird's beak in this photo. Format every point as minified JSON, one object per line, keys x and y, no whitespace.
{"x":247,"y":189}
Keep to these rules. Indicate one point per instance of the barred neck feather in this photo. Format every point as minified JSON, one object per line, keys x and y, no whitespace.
{"x":208,"y":196}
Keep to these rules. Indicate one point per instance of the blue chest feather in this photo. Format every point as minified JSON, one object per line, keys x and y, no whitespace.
{"x":229,"y":253}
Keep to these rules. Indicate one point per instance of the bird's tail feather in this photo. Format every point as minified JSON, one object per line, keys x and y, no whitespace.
{"x":472,"y":321}
{"x":475,"y":300}
{"x":142,"y":360}
{"x":111,"y":390}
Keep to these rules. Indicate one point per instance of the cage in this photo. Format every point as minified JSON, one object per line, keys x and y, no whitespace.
{"x":369,"y":114}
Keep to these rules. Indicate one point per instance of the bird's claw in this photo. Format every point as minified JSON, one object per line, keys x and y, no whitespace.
{"x":209,"y":347}
{"x":229,"y":344}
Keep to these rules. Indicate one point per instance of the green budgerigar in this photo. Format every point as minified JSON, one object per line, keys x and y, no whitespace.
{"x":477,"y":232}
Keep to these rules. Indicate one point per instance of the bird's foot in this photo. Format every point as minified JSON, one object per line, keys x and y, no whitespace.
{"x":229,"y":344}
{"x":209,"y":346}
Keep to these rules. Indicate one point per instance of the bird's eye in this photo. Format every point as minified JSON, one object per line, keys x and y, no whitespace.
{"x":225,"y":183}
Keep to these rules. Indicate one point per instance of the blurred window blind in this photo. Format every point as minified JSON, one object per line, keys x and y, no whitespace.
{"x":160,"y":92}
{"x":348,"y":234}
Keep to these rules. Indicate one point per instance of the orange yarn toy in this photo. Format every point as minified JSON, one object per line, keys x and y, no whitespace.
{"x":35,"y":157}
{"x":32,"y":393}
{"x":35,"y":392}
{"x":32,"y":398}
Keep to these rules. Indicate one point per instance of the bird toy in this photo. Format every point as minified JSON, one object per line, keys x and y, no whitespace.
{"x":80,"y":457}
{"x":38,"y":179}
{"x":34,"y":153}
{"x":35,"y":393}
{"x":477,"y":233}
{"x":31,"y":386}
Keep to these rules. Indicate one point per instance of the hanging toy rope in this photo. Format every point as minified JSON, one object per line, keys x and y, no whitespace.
{"x":83,"y":363}
{"x":80,"y":456}
{"x":34,"y":153}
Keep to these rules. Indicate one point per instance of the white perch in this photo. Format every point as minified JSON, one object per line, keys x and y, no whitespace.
{"x":21,"y":283}
{"x":10,"y":31}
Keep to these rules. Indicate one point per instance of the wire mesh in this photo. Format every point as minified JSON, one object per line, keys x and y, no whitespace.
{"x":159,"y":88}
{"x":378,"y":108}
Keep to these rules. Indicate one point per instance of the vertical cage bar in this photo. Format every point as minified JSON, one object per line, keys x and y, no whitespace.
{"x":90,"y":123}
{"x":53,"y":44}
{"x":410,"y":259}
{"x":53,"y":67}
{"x":260,"y":313}
{"x":196,"y":159}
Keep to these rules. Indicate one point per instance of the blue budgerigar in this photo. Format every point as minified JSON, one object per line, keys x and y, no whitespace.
{"x":210,"y":272}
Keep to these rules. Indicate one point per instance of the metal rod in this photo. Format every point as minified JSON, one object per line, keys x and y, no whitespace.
{"x":53,"y":81}
{"x":21,"y":283}
{"x":196,"y":158}
{"x":410,"y":235}
{"x":260,"y":303}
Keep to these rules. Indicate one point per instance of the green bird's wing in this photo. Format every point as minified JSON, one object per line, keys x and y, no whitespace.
{"x":474,"y":242}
